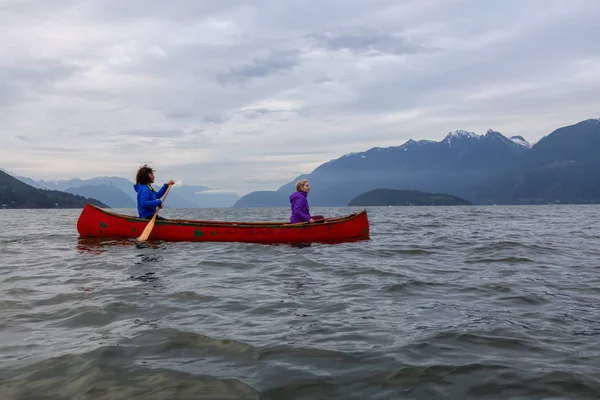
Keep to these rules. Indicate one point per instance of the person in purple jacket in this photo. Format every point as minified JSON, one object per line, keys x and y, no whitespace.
{"x":299,"y":204}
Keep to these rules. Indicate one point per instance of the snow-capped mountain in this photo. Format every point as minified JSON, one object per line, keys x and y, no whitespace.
{"x":460,"y":159}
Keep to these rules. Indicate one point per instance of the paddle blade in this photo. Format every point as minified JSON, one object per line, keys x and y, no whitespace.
{"x":146,"y":233}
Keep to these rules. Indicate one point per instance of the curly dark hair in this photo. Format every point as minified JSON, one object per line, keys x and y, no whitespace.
{"x":143,"y":175}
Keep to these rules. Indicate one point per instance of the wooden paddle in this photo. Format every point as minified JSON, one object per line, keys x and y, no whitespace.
{"x":144,"y":236}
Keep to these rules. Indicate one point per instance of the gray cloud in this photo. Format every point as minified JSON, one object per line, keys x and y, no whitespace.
{"x":180,"y":114}
{"x":367,"y":40}
{"x":152,"y":133}
{"x":215,"y":118}
{"x":38,"y":72}
{"x":262,"y":67}
{"x":21,"y":82}
{"x":24,"y":138}
{"x":53,"y":149}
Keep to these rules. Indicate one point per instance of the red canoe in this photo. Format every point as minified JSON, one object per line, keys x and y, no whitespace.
{"x":100,"y":223}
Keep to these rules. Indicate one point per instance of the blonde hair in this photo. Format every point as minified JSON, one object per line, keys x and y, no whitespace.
{"x":300,"y":183}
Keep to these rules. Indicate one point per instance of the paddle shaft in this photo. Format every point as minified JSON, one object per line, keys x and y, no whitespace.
{"x":144,"y":236}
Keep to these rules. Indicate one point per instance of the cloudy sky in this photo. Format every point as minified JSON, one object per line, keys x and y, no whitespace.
{"x":246,"y":95}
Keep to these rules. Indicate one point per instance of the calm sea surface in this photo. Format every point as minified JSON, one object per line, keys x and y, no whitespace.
{"x":442,"y":302}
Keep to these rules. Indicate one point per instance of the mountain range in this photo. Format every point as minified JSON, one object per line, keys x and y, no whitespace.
{"x":562,"y":167}
{"x":118,"y":192}
{"x":490,"y":168}
{"x":17,"y":194}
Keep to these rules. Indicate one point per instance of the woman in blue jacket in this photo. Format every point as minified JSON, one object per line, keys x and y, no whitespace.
{"x":147,"y":197}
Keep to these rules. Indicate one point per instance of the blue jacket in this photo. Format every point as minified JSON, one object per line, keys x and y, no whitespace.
{"x":147,"y":199}
{"x":300,"y":209}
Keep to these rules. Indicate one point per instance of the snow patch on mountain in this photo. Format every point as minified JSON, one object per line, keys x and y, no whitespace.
{"x":520,"y":140}
{"x":461,"y":134}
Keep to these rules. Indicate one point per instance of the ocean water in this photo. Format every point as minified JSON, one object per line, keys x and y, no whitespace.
{"x":441,"y":302}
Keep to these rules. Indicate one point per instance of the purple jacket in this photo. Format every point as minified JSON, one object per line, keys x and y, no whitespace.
{"x":300,"y":209}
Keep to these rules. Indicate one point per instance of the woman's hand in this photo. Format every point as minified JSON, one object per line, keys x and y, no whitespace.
{"x":171,"y":182}
{"x":311,"y":221}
